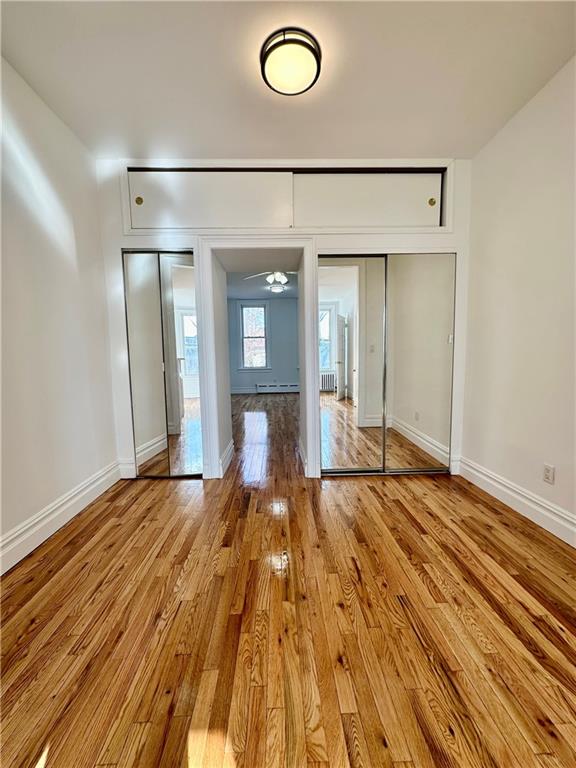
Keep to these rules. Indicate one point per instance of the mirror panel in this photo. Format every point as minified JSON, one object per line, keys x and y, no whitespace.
{"x":351,"y":293}
{"x":419,"y":351}
{"x":143,"y":317}
{"x":180,"y":332}
{"x":160,"y":292}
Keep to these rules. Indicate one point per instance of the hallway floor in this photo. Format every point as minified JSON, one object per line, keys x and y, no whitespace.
{"x":269,"y":620}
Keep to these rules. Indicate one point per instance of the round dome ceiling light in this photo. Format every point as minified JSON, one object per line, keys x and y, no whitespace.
{"x":290,"y":61}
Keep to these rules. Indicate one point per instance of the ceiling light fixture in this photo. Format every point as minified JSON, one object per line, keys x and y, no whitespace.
{"x":277,"y":277}
{"x":290,"y":61}
{"x":276,"y":288}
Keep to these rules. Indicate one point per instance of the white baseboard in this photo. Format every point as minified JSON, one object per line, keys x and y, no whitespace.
{"x":273,"y":387}
{"x":550,"y":516}
{"x":421,"y":439}
{"x":243,"y":390}
{"x":226,"y":458}
{"x":455,"y":465}
{"x":151,"y":448}
{"x":127,"y":468}
{"x":21,"y":540}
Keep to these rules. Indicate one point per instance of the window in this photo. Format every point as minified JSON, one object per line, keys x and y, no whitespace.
{"x":190,"y":339}
{"x":325,"y":334}
{"x":254,"y":346}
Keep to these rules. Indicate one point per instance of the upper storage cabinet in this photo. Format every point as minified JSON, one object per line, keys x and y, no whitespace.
{"x":210,"y":199}
{"x":278,"y":199}
{"x":385,"y":199}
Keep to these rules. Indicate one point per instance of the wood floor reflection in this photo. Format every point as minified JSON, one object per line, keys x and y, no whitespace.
{"x":267,"y":620}
{"x":184,"y":456}
{"x":347,"y":446}
{"x":186,"y":448}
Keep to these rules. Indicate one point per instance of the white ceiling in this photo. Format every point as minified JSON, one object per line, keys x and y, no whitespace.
{"x":252,"y":260}
{"x":244,"y":262}
{"x":181,"y":80}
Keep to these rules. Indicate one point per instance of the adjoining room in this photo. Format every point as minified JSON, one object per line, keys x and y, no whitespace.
{"x":257,"y":357}
{"x":264,"y":363}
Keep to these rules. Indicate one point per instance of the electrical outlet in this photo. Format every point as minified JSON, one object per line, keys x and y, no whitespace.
{"x":549,"y":474}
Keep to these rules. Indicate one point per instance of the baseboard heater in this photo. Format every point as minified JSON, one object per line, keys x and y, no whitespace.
{"x":327,"y":382}
{"x":275,"y":387}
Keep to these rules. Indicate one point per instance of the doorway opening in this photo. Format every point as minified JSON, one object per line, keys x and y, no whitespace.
{"x":263,"y":355}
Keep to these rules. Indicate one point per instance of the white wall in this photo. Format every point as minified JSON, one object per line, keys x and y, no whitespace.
{"x":58,"y":434}
{"x":519,"y":403}
{"x":419,"y":346}
{"x":282,"y":335}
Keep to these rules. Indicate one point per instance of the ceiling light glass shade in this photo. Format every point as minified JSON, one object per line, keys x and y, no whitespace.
{"x":281,"y":277}
{"x":270,"y":278}
{"x":277,"y":288}
{"x":290,"y":61}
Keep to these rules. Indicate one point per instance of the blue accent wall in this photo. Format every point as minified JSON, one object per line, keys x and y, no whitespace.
{"x":283,"y":346}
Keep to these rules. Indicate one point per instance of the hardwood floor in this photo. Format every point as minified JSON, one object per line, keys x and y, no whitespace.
{"x":347,"y":446}
{"x":269,"y":620}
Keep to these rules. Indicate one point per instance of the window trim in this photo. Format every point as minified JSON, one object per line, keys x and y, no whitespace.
{"x":254,"y":303}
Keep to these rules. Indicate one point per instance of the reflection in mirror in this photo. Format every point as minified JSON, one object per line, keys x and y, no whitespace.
{"x":180,"y":330}
{"x":351,"y":350}
{"x":419,"y":345}
{"x":142,"y":288}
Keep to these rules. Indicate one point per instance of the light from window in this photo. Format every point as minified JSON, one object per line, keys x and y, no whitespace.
{"x":325,"y":326}
{"x":254,"y":337}
{"x":190,"y":335}
{"x":325,"y":340}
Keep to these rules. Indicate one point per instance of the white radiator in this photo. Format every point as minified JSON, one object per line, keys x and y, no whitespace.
{"x":275,"y":387}
{"x":327,"y":382}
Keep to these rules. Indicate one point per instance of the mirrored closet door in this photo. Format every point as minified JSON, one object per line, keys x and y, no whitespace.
{"x":351,"y":294}
{"x":161,"y":318}
{"x":385,"y":350}
{"x":419,"y":351}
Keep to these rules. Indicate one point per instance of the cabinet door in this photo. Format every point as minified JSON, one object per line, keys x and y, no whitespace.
{"x":367,"y":199}
{"x":210,"y":199}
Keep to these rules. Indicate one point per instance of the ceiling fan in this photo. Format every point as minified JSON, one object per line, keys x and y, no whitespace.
{"x":277,"y":280}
